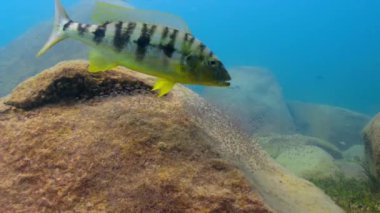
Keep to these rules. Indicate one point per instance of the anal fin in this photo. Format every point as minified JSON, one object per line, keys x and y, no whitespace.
{"x":99,"y":62}
{"x":164,"y":86}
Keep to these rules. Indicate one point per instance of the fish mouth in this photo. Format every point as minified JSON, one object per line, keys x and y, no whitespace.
{"x":226,"y":84}
{"x":216,"y":84}
{"x":226,"y":78}
{"x":223,"y":84}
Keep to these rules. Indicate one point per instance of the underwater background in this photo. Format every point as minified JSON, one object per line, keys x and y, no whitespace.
{"x":304,"y":95}
{"x":320,"y":51}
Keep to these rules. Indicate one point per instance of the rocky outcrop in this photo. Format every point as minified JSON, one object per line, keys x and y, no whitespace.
{"x":254,"y":100}
{"x":106,"y":142}
{"x":372,"y":145}
{"x":336,"y":125}
{"x":74,"y":141}
{"x":313,"y":158}
{"x":309,"y":162}
{"x":275,"y":144}
{"x":354,"y":154}
{"x":307,"y":157}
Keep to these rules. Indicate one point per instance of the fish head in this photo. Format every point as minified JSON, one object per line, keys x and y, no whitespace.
{"x":207,"y":71}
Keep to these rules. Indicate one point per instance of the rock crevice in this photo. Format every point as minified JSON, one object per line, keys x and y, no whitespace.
{"x":67,"y":84}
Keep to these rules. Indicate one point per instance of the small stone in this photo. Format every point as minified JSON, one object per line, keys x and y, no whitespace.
{"x":162,"y":146}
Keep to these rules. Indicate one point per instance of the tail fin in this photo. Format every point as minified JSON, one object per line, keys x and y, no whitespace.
{"x":61,"y":18}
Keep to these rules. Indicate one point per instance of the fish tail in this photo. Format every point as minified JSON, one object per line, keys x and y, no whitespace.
{"x":61,"y":21}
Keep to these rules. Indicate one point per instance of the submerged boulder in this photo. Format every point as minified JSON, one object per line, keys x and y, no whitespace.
{"x":255,"y":100}
{"x":75,"y":141}
{"x":309,"y":162}
{"x":339,"y":126}
{"x":275,"y":144}
{"x":372,"y":146}
{"x":106,"y":142}
{"x":313,"y":163}
{"x":354,"y":154}
{"x":351,"y":170}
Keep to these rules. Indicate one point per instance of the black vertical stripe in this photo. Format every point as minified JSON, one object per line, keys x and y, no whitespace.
{"x":67,"y":25}
{"x":186,"y":46}
{"x":152,"y":30}
{"x":123,"y":35}
{"x":186,"y":38}
{"x":128,"y":33}
{"x":169,"y":48}
{"x":82,"y":28}
{"x":165,"y":34}
{"x":173,"y":36}
{"x":184,"y":55}
{"x":142,"y":43}
{"x":118,"y":40}
{"x":191,"y":41}
{"x":202,"y":48}
{"x":100,"y":33}
{"x":185,"y":50}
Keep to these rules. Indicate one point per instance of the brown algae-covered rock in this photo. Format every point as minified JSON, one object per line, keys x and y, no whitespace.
{"x":132,"y":152}
{"x":76,"y":141}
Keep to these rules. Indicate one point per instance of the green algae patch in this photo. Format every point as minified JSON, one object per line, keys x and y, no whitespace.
{"x":353,"y":195}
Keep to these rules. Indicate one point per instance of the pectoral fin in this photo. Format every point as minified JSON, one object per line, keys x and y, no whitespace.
{"x":99,"y":62}
{"x":164,"y":86}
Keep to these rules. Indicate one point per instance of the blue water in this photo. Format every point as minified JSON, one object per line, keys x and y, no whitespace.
{"x":321,"y":51}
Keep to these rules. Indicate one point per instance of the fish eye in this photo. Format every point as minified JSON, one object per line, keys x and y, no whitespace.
{"x":212,"y":63}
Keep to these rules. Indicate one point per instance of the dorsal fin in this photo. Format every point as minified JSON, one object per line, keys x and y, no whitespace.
{"x":104,"y":12}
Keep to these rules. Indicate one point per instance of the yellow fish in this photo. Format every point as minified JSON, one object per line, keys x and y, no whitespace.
{"x":168,"y":53}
